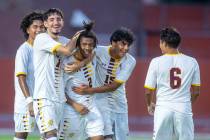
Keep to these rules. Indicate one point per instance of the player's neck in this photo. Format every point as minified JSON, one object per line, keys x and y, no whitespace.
{"x":54,"y":36}
{"x":172,"y":51}
{"x":113,"y":53}
{"x":30,"y":41}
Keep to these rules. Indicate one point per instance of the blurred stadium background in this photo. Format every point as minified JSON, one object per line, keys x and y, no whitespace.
{"x":145,"y":18}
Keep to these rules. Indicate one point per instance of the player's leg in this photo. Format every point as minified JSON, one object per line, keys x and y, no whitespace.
{"x":94,"y":124}
{"x":71,"y":126}
{"x":184,"y":127}
{"x":24,"y":124}
{"x":121,"y":130}
{"x":47,"y":117}
{"x":108,"y":123}
{"x":163,"y":123}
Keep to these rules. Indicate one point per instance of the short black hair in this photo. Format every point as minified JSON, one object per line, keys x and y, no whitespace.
{"x":122,"y":34}
{"x":51,"y":11}
{"x":28,"y":20}
{"x":170,"y":36}
{"x":88,"y":33}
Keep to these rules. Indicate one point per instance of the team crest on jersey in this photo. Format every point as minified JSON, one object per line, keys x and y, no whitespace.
{"x":50,"y":122}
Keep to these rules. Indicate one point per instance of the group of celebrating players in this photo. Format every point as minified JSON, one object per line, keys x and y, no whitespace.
{"x":74,"y":89}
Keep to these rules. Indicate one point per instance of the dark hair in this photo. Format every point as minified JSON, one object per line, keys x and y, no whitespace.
{"x":88,"y":33}
{"x":28,"y":20}
{"x":171,"y":37}
{"x":52,"y":11}
{"x":122,"y":34}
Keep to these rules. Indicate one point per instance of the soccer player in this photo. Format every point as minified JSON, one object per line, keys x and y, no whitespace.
{"x":49,"y":97}
{"x":82,"y":116}
{"x":175,"y":78}
{"x":113,"y":68}
{"x":31,"y":25}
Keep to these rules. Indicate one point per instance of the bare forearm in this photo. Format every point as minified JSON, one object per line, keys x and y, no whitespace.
{"x":149,"y":96}
{"x":194,"y":97}
{"x":23,"y":86}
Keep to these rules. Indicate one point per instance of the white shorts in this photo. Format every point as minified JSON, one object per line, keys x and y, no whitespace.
{"x":74,"y":126}
{"x":167,"y":121}
{"x":24,"y":122}
{"x":47,"y":114}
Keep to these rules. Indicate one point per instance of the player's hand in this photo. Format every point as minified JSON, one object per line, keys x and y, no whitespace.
{"x":151,"y":109}
{"x":82,"y":90}
{"x":31,"y":109}
{"x":76,"y":35}
{"x":72,"y":67}
{"x":80,"y":108}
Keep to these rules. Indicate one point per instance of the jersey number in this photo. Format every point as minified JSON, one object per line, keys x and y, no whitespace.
{"x":175,"y":80}
{"x":109,"y":79}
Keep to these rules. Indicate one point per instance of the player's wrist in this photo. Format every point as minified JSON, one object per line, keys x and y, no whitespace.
{"x":29,"y":100}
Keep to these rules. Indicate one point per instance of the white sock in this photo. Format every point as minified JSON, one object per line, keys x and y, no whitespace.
{"x":52,"y":138}
{"x":17,"y":138}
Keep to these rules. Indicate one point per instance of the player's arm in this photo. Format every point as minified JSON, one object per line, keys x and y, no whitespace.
{"x":149,"y":92}
{"x":69,"y":68}
{"x":25,"y":91}
{"x":84,"y":89}
{"x":78,"y":107}
{"x":66,"y":50}
{"x":195,"y":92}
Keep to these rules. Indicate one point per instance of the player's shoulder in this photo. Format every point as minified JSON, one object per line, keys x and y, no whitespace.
{"x":101,"y":47}
{"x":42,"y":35}
{"x":130,"y":58}
{"x":24,"y":47}
{"x":189,"y":58}
{"x":63,"y":38}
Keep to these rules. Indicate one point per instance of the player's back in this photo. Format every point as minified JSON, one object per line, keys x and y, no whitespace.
{"x":175,"y":75}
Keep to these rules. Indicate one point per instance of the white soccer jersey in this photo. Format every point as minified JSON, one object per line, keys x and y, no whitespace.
{"x":84,"y":76}
{"x":48,"y":73}
{"x":108,"y":70}
{"x":23,"y":65}
{"x":172,"y":77}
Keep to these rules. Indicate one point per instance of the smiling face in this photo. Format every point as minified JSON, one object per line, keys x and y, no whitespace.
{"x":120,"y":48}
{"x":36,"y":27}
{"x":54,"y":24}
{"x":86,"y":46}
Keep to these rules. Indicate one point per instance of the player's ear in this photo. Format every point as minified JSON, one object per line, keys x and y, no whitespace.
{"x":45,"y":24}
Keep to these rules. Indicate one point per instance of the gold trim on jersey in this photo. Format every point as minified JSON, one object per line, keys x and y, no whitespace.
{"x":167,"y":54}
{"x":54,"y":49}
{"x":148,"y":87}
{"x":20,"y":73}
{"x":119,"y":81}
{"x":196,"y":85}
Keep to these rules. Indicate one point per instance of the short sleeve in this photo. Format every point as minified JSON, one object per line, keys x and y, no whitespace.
{"x":196,"y":75}
{"x":21,"y":61}
{"x":151,"y":77}
{"x":126,"y":70}
{"x":44,"y":42}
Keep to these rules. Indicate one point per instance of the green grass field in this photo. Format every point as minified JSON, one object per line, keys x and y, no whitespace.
{"x":9,"y":137}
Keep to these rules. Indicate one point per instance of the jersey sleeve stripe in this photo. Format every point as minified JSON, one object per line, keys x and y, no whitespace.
{"x":148,"y":87}
{"x":196,"y":85}
{"x":119,"y":81}
{"x":53,"y":50}
{"x":20,"y":73}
